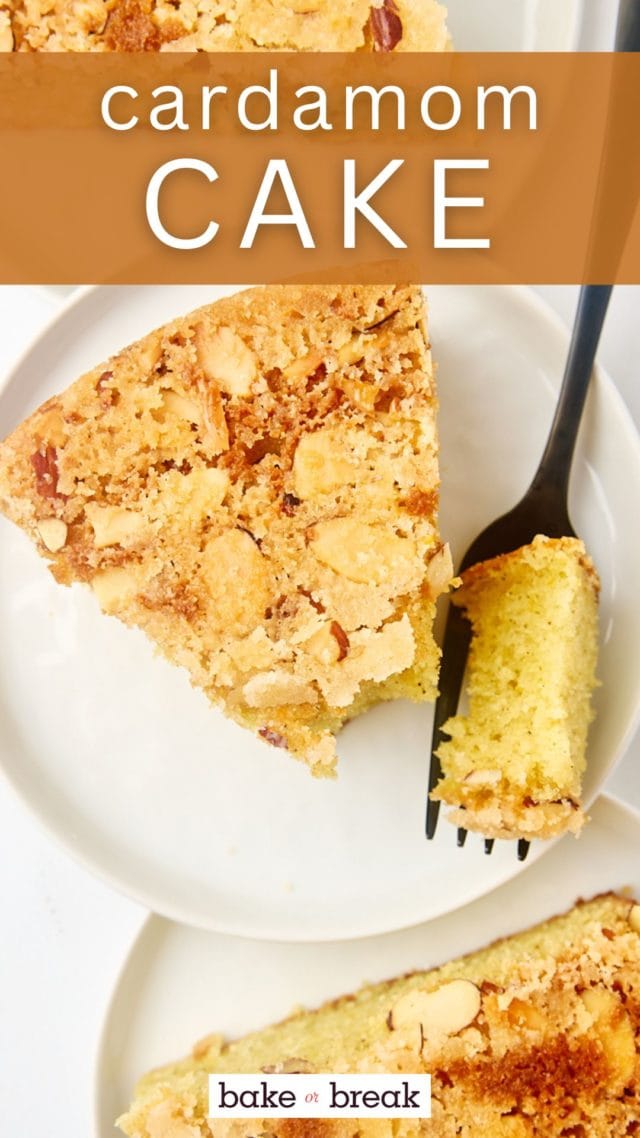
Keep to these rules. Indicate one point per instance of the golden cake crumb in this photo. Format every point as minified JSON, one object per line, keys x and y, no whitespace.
{"x":533,"y":1037}
{"x":513,"y":766}
{"x":241,"y":485}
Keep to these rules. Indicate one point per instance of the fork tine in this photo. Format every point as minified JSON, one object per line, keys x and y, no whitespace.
{"x":488,"y":845}
{"x":523,"y":849}
{"x":457,"y":637}
{"x":462,"y":836}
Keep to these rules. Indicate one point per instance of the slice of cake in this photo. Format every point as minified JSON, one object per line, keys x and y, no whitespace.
{"x":255,"y":485}
{"x":513,"y":766}
{"x":223,"y":25}
{"x":534,"y":1037}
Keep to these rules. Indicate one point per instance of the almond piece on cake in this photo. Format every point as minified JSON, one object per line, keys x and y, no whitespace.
{"x":533,"y":1037}
{"x":255,"y":485}
{"x":513,"y":765}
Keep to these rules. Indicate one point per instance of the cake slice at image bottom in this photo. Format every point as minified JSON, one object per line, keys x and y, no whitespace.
{"x":255,"y":485}
{"x":533,"y":1037}
{"x":223,"y":25}
{"x":513,"y":765}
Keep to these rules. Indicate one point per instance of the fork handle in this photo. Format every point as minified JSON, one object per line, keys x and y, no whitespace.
{"x":555,"y":464}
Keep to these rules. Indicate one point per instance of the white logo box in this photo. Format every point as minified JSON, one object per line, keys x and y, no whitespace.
{"x":319,"y":1096}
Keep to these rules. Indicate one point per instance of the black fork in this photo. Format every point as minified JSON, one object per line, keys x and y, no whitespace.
{"x":544,"y":508}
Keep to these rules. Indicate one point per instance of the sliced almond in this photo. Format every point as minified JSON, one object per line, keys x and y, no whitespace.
{"x":440,"y":572}
{"x":483,"y":778}
{"x":51,"y":423}
{"x":237,"y":580}
{"x":182,"y":407}
{"x":6,"y":35}
{"x":322,"y":464}
{"x":113,"y":525}
{"x":634,"y":918}
{"x":323,"y":646}
{"x":53,"y":534}
{"x":277,"y":688}
{"x":360,"y":393}
{"x":369,"y":554}
{"x":445,"y":1011}
{"x":352,"y":351}
{"x":225,"y":358}
{"x":215,"y":420}
{"x":615,"y":1031}
{"x":372,"y":656}
{"x":306,"y":365}
{"x":114,"y":586}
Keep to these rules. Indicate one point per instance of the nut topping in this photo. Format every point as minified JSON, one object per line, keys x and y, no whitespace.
{"x":385,"y":27}
{"x":45,"y":465}
{"x":445,"y":1011}
{"x":182,"y":407}
{"x":217,"y":432}
{"x":615,"y":1032}
{"x":277,"y":688}
{"x":226,"y":360}
{"x":114,"y":586}
{"x":367,"y":553}
{"x":53,"y":533}
{"x":231,"y":557}
{"x":329,"y":644}
{"x":439,"y":571}
{"x":289,"y":504}
{"x":341,"y":638}
{"x":112,"y":525}
{"x":321,"y":464}
{"x":634,"y":918}
{"x":483,"y":778}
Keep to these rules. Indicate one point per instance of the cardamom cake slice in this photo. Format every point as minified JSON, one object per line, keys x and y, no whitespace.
{"x":536,"y":1036}
{"x":255,"y":485}
{"x":223,"y":25}
{"x":513,"y":765}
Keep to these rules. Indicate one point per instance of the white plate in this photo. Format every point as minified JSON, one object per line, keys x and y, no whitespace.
{"x":514,"y":25}
{"x":179,"y":984}
{"x":148,"y":785}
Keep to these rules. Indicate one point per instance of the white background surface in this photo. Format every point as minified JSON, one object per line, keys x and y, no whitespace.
{"x":63,"y":934}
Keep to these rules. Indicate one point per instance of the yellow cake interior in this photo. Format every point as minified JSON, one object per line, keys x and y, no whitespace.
{"x":513,"y":766}
{"x":533,"y":1037}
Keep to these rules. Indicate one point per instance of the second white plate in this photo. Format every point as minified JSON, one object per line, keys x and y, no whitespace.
{"x":180,"y":984}
{"x":148,"y":785}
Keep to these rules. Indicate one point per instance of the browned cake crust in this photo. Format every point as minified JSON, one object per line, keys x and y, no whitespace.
{"x":222,"y":25}
{"x":537,"y":1036}
{"x":255,"y":485}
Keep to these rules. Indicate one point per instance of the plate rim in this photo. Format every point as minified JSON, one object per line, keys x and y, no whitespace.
{"x":607,"y":798}
{"x":528,"y":300}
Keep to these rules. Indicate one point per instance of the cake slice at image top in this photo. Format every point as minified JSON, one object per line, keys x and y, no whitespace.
{"x":255,"y":485}
{"x":533,"y":1037}
{"x":223,"y":25}
{"x":514,"y":763}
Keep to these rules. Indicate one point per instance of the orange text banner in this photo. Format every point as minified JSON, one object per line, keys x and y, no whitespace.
{"x":469,"y":168}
